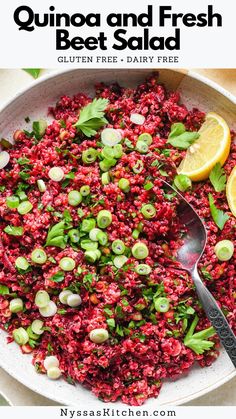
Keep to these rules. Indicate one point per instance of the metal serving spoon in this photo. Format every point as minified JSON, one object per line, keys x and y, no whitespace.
{"x":189,"y":254}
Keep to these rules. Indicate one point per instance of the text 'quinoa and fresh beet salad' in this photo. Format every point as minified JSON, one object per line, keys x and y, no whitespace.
{"x":89,"y":280}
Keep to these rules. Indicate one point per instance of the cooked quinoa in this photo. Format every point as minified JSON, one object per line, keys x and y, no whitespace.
{"x":146,"y":316}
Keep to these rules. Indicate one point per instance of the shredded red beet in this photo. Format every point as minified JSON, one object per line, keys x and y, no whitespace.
{"x":145,"y":345}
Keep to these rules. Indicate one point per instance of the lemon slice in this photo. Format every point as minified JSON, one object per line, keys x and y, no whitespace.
{"x":231,"y":191}
{"x":211,"y":147}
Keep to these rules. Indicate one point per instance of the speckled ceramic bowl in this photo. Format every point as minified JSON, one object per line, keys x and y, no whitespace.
{"x":34,"y":102}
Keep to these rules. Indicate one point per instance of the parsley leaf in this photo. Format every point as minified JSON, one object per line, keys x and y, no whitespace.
{"x":198,"y":341}
{"x":4,"y":290}
{"x":176,"y":129}
{"x":91,"y":117}
{"x":56,"y":236}
{"x":184,"y":140}
{"x":206,"y":274}
{"x":58,"y":277}
{"x":218,"y":216}
{"x":218,"y":178}
{"x":34,"y":72}
{"x":183,"y":311}
{"x":111,"y":323}
{"x":180,"y":138}
{"x":23,"y":160}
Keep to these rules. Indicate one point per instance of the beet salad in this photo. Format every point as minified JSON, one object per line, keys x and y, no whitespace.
{"x":89,"y":280}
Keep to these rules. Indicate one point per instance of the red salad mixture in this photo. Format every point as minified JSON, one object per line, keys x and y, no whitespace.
{"x":89,"y":281}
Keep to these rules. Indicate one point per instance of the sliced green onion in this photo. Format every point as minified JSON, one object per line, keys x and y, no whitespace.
{"x":22,"y":196}
{"x":90,"y":256}
{"x":135,"y":234}
{"x":42,"y":299}
{"x":88,"y":224}
{"x":74,"y":300}
{"x":93,"y":234}
{"x":110,"y":136}
{"x":87,"y":244}
{"x":106,"y":178}
{"x":182,"y":182}
{"x":37,"y":327}
{"x":51,"y":362}
{"x":142,"y":147}
{"x":137,"y":118}
{"x":102,"y":238}
{"x":146,"y":137}
{"x":41,"y":185}
{"x":54,"y":373}
{"x":140,"y":250}
{"x":104,"y":218}
{"x":64,"y":295}
{"x":12,"y":201}
{"x":98,"y":335}
{"x":118,"y":151}
{"x":85,"y":190}
{"x":118,"y":247}
{"x":224,"y":250}
{"x":143,"y":269}
{"x":74,"y":198}
{"x":4,"y":159}
{"x":48,"y":311}
{"x":79,"y":270}
{"x":20,"y":336}
{"x":67,"y":264}
{"x":31,"y":334}
{"x":108,"y":152}
{"x":74,"y":235}
{"x":140,"y":227}
{"x":56,"y":174}
{"x":120,"y":261}
{"x":98,"y":253}
{"x":24,"y":207}
{"x":148,"y":211}
{"x":138,"y":167}
{"x":16,"y":305}
{"x":162,"y":304}
{"x":89,"y":156}
{"x":22,"y":263}
{"x":124,"y":184}
{"x":106,"y":164}
{"x":39,"y":256}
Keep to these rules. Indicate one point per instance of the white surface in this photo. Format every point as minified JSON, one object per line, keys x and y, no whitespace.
{"x":199,"y":46}
{"x":198,"y":381}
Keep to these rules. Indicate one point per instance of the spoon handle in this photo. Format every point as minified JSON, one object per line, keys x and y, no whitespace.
{"x":216,"y":317}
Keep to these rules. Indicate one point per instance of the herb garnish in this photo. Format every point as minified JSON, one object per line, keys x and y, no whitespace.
{"x":56,"y":236}
{"x":91,"y":117}
{"x":180,"y":138}
{"x":218,"y":178}
{"x":198,"y":341}
{"x":218,"y":216}
{"x":58,"y":277}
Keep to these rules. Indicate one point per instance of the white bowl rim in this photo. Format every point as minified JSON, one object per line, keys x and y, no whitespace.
{"x":57,"y":72}
{"x":191,"y":74}
{"x":3,"y":395}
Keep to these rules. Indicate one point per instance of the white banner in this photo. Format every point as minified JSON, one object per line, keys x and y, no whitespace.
{"x":126,"y":412}
{"x":115,"y":34}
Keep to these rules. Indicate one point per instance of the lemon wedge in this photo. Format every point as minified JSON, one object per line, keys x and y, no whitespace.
{"x":231,"y":191}
{"x":211,"y":147}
